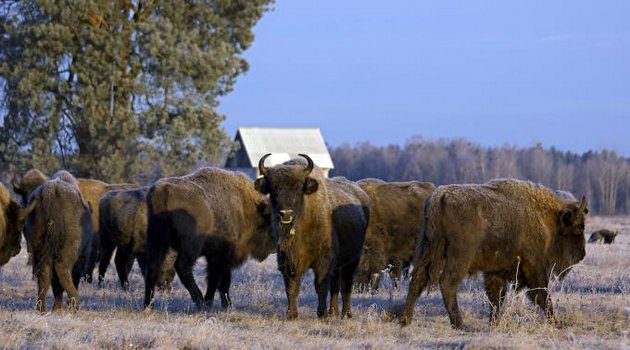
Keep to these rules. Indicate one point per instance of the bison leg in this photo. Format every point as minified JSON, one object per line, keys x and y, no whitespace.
{"x":347,"y":276}
{"x":449,"y":284}
{"x":92,"y":259}
{"x":538,"y":282}
{"x":322,"y":286}
{"x":124,"y":262}
{"x":335,"y":288}
{"x":224,"y":287}
{"x":292,"y":288}
{"x":107,"y":250}
{"x":57,"y":292}
{"x":419,"y":280}
{"x":65,"y":279}
{"x":44,"y":276}
{"x":183,"y":266}
{"x":213,"y":275}
{"x":496,"y":288}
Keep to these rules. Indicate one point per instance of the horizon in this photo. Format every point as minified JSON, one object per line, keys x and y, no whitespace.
{"x":515,"y":74}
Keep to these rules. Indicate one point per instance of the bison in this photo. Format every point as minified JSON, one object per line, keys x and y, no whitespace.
{"x":91,"y":190}
{"x":566,"y":196}
{"x":319,"y":224}
{"x":213,"y":213}
{"x":11,"y":222}
{"x":395,"y":222}
{"x":123,"y":227}
{"x":607,"y":236}
{"x":511,"y":230}
{"x":58,"y":230}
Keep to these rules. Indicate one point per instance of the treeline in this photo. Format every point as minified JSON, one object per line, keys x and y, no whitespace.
{"x":603,"y":176}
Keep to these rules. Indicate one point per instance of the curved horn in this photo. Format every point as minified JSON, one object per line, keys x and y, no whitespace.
{"x":583,"y":203}
{"x":310,"y":165}
{"x":261,"y":164}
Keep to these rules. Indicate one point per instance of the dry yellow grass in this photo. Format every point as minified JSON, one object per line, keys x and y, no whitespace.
{"x":593,"y":301}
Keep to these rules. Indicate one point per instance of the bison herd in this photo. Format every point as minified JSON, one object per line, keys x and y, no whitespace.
{"x":348,"y":233}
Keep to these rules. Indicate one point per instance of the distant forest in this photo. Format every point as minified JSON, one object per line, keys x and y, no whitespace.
{"x":603,"y":176}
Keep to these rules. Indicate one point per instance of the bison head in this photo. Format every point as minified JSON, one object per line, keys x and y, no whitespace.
{"x":570,"y":240}
{"x":287,"y":186}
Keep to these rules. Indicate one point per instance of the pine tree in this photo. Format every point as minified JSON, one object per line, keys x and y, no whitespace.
{"x":110,"y":89}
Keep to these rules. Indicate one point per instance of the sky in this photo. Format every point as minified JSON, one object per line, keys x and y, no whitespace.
{"x":493,"y":72}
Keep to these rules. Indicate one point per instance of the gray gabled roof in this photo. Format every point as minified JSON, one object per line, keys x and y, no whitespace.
{"x":284,"y":144}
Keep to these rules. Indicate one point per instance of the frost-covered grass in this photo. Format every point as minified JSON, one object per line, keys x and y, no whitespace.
{"x":593,"y":302}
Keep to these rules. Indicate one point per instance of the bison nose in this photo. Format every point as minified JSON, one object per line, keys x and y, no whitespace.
{"x":286,"y":216}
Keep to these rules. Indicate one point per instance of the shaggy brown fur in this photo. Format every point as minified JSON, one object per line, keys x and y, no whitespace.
{"x":59,"y":231}
{"x":92,"y":191}
{"x":606,"y":236}
{"x":123,"y":227}
{"x":320,"y":225}
{"x":395,"y":223}
{"x":212,"y":213}
{"x":11,"y":222}
{"x":511,"y":230}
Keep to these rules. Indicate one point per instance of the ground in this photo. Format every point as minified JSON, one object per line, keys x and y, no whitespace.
{"x":593,"y":302}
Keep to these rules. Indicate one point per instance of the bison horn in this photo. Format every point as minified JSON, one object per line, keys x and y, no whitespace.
{"x":261,"y":164}
{"x":310,"y":165}
{"x":583,"y":203}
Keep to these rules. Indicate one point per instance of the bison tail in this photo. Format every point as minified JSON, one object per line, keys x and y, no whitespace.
{"x":430,"y":253}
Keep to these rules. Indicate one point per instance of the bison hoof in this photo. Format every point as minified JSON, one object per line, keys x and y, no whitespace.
{"x":291,"y":316}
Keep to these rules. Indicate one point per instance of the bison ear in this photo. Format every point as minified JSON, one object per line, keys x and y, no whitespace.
{"x":261,"y":185}
{"x":311,"y":185}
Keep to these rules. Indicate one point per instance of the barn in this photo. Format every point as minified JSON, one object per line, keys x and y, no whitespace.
{"x":282,"y":143}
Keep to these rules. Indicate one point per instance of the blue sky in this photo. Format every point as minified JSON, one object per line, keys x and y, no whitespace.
{"x":494,"y":72}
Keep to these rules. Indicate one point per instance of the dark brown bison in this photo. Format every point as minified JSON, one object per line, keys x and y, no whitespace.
{"x":319,"y":224}
{"x":123,"y":227}
{"x":11,"y":222}
{"x":58,"y":231}
{"x":395,"y":223}
{"x":507,"y":229}
{"x":212,"y":213}
{"x":91,"y":190}
{"x":607,"y":236}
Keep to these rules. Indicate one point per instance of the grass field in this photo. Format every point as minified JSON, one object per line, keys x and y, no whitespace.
{"x":593,"y":302}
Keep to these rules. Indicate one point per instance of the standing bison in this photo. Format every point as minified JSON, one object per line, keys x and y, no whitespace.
{"x":320,"y":224}
{"x":507,"y":229}
{"x":58,"y":231}
{"x":91,"y":190}
{"x":395,"y":223}
{"x":123,"y":227}
{"x":11,"y":221}
{"x":212,"y":213}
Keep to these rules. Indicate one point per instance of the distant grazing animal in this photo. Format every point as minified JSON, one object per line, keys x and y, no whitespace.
{"x":212,"y":213}
{"x":11,"y":222}
{"x":504,"y":228}
{"x":606,"y":236}
{"x":320,"y":224}
{"x":123,"y":227}
{"x":395,"y":223}
{"x":58,"y":231}
{"x":92,"y":191}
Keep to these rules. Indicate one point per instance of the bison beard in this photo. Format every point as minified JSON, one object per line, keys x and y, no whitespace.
{"x":507,"y":229}
{"x":320,"y":224}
